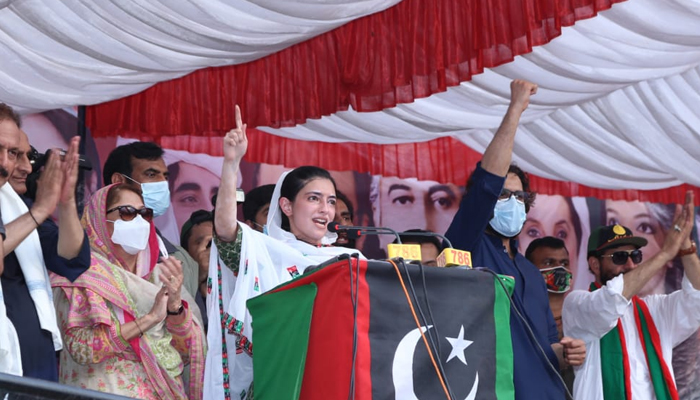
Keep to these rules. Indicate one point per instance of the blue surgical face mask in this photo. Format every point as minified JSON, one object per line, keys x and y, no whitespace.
{"x":259,"y":228}
{"x":508,"y":217}
{"x":156,"y":195}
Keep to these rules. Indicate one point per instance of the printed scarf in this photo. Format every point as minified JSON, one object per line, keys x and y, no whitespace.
{"x":615,"y":365}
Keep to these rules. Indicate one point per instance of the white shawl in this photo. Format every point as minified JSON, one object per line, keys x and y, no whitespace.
{"x":263,"y":265}
{"x":31,"y":260}
{"x":10,"y":357}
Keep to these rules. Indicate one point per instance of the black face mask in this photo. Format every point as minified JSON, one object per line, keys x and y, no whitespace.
{"x":558,"y":279}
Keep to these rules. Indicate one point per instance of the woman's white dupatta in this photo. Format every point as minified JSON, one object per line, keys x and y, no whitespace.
{"x":266,"y":261}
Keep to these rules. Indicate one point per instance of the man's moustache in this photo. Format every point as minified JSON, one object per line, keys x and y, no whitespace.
{"x":4,"y":173}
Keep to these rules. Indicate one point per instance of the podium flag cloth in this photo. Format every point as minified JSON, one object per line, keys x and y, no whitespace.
{"x":346,"y":331}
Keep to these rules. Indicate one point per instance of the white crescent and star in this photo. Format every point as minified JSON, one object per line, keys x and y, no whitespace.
{"x":402,"y":367}
{"x":459,"y":344}
{"x":403,"y":358}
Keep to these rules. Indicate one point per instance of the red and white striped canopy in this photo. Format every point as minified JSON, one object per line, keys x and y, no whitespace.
{"x":410,"y":88}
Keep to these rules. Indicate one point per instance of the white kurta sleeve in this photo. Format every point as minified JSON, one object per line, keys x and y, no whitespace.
{"x":590,"y":315}
{"x":678,"y":313}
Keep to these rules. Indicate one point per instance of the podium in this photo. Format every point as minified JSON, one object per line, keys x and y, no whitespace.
{"x":347,"y":331}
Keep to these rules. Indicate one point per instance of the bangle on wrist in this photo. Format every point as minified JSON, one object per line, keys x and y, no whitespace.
{"x":138,"y":326}
{"x":690,"y":250}
{"x":179,"y":310}
{"x":32,"y":215}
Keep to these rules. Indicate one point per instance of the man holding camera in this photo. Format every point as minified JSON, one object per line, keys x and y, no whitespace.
{"x":34,"y":245}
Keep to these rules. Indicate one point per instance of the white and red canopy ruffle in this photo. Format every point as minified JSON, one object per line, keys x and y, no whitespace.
{"x":389,"y":89}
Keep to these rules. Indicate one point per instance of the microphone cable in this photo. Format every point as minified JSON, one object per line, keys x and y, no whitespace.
{"x":430,"y":310}
{"x":433,"y":341}
{"x":354,"y":298}
{"x":443,"y":383}
{"x":531,"y":333}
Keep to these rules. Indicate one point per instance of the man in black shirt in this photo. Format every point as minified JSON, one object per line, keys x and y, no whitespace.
{"x":28,"y":255}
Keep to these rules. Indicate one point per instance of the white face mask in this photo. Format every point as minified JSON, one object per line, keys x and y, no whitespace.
{"x":132,"y":235}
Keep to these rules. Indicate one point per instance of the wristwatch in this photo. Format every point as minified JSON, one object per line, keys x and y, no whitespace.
{"x":690,"y":250}
{"x":179,"y":311}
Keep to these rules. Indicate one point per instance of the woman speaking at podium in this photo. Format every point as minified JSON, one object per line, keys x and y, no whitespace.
{"x":250,"y":263}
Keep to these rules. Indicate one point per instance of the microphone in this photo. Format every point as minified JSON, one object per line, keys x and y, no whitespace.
{"x":449,"y":257}
{"x":446,"y":242}
{"x":407,"y":251}
{"x":358,"y":231}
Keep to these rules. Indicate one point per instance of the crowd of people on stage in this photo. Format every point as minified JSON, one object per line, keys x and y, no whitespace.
{"x":102,"y":300}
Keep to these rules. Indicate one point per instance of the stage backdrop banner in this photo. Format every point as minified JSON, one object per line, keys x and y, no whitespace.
{"x":354,"y":332}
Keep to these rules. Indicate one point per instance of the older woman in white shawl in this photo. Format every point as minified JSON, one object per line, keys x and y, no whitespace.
{"x":250,"y":263}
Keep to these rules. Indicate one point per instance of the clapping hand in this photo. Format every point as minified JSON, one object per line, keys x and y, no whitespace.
{"x":69,"y":166}
{"x":172,"y":277}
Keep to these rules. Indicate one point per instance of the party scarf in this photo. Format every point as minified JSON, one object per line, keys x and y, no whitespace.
{"x":614,"y":359}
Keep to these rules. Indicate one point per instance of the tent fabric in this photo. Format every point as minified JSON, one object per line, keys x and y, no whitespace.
{"x":78,"y":52}
{"x":91,"y":51}
{"x":616,"y":107}
{"x":615,"y":110}
{"x":599,"y":119}
{"x":406,"y":52}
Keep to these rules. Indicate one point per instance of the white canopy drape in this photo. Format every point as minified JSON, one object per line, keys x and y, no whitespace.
{"x":617,"y":105}
{"x":59,"y":53}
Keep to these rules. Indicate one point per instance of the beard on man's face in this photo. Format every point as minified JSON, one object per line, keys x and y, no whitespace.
{"x":4,"y":173}
{"x":606,"y":275}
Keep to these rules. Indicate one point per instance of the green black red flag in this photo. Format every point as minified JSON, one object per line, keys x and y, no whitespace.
{"x":347,"y":331}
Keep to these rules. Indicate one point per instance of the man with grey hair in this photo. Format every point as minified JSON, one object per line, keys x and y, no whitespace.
{"x":31,"y":250}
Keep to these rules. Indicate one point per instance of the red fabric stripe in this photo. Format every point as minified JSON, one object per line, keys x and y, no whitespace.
{"x":134,"y":342}
{"x":329,"y":377}
{"x":656,"y":342}
{"x":442,"y":160}
{"x":625,"y":360}
{"x":406,"y":52}
{"x":153,"y":247}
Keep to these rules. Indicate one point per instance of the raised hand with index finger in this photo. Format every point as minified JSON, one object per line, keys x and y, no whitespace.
{"x":235,"y":140}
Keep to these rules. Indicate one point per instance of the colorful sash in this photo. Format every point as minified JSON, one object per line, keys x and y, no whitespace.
{"x":614,"y":358}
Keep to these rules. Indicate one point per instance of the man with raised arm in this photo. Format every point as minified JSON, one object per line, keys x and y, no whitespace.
{"x":631,"y":339}
{"x":490,"y":216}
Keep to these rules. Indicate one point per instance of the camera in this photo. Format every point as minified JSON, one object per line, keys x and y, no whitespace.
{"x":38,"y":160}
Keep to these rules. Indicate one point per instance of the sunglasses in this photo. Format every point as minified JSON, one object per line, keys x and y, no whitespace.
{"x":520,"y":195}
{"x":620,"y":257}
{"x":127,"y":213}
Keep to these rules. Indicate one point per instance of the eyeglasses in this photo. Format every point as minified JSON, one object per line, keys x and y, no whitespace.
{"x":520,"y":195}
{"x":620,"y":257}
{"x":127,"y":213}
